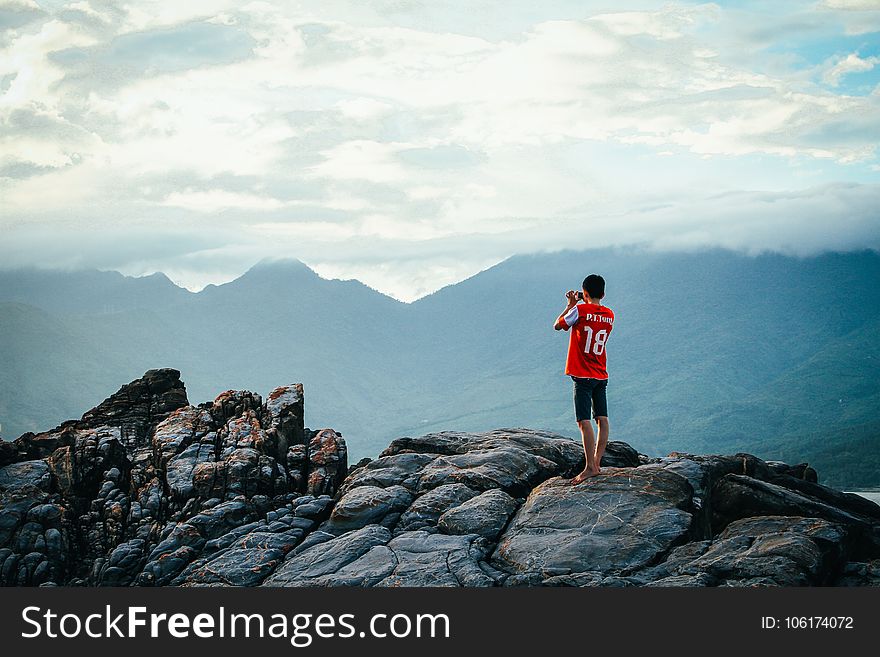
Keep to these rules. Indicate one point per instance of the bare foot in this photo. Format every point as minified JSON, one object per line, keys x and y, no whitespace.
{"x":584,"y":474}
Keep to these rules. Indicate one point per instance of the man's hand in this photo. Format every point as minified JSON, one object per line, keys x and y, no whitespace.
{"x":572,"y":298}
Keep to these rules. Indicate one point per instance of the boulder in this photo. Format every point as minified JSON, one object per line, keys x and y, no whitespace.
{"x":738,"y":496}
{"x":309,"y":567}
{"x":486,"y":514}
{"x":778,"y":550}
{"x":619,"y":521}
{"x":366,"y":505}
{"x":425,"y":511}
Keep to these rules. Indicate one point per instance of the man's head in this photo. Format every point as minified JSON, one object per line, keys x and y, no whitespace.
{"x":594,"y":286}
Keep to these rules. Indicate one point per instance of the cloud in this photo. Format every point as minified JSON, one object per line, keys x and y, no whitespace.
{"x":17,"y":13}
{"x":218,"y":199}
{"x":852,"y":5}
{"x":422,"y":141}
{"x":852,"y":63}
{"x":408,"y":259}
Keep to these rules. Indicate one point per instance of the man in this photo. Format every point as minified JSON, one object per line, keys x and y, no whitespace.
{"x":590,"y":323}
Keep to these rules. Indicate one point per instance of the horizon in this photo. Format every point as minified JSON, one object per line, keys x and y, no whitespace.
{"x":410,"y":146}
{"x":629,"y":250}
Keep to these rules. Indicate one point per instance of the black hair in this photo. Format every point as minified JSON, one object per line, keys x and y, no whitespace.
{"x":594,"y":285}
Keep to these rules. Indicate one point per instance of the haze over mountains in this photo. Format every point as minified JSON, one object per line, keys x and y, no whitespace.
{"x":711,"y":352}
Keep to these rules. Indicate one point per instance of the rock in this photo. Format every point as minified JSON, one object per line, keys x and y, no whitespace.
{"x":702,"y":472}
{"x":284,"y":422}
{"x":509,"y":468}
{"x":698,"y":580}
{"x":178,"y":431}
{"x":138,"y":406}
{"x":778,"y":550}
{"x":849,"y":502}
{"x":365,"y":505}
{"x":738,"y":496}
{"x":486,"y":514}
{"x":620,"y":455}
{"x":391,"y":470}
{"x":351,"y":468}
{"x":181,"y":469}
{"x":26,"y":474}
{"x":619,"y":521}
{"x":370,"y":557}
{"x":513,"y":459}
{"x":144,"y":488}
{"x":427,"y":508}
{"x":307,"y":568}
{"x":423,"y":559}
{"x":245,"y":563}
{"x":859,"y":574}
{"x":799,"y":471}
{"x":328,"y":462}
{"x":147,"y":490}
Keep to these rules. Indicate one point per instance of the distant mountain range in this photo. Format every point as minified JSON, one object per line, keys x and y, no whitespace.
{"x":711,"y":352}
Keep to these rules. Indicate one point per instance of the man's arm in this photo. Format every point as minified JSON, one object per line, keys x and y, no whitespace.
{"x":569,"y":316}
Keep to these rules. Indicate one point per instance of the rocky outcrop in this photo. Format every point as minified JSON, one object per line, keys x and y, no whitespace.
{"x":147,"y":490}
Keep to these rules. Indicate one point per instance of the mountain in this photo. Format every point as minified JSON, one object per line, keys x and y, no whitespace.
{"x":89,"y":291}
{"x":711,"y":352}
{"x":147,"y":490}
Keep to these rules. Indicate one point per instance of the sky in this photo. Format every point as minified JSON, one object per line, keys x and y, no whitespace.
{"x":412,"y":144}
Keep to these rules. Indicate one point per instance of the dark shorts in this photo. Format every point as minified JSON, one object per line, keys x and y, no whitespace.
{"x":587,"y":393}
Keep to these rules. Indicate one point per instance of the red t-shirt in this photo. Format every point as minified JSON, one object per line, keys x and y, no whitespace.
{"x":590,"y":326}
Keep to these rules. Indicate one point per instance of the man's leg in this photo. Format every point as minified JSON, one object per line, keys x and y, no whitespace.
{"x":602,"y":441}
{"x":589,"y":440}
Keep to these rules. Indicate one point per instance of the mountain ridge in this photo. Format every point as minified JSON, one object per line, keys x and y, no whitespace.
{"x":482,"y":353}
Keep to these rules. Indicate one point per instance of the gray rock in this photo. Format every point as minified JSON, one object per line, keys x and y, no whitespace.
{"x":618,"y":521}
{"x":245,"y":563}
{"x":509,"y":468}
{"x":859,"y":574}
{"x":326,"y":558}
{"x":620,"y":455}
{"x":328,"y":462}
{"x":783,"y":550}
{"x":738,"y":496}
{"x":425,"y":559}
{"x":138,"y":406}
{"x":486,"y":514}
{"x":366,"y":505}
{"x":392,"y":470}
{"x":691,"y":581}
{"x":26,"y":474}
{"x":181,"y":468}
{"x":427,"y":508}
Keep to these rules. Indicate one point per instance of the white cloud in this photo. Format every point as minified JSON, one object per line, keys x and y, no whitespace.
{"x":671,"y":22}
{"x":842,"y":66}
{"x":361,"y":108}
{"x":854,"y":5}
{"x":89,"y":11}
{"x":363,"y":160}
{"x":218,"y":199}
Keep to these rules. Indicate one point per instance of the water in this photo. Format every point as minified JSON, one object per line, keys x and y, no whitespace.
{"x":873,"y":494}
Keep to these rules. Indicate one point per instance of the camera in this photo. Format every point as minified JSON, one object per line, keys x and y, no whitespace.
{"x":580,"y":296}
